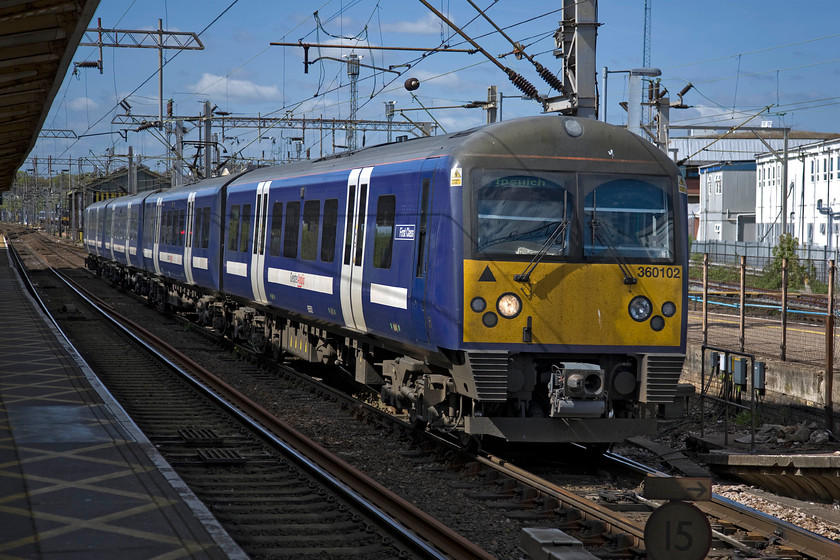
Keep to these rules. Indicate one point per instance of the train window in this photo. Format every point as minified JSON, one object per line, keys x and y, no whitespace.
{"x":627,"y":217}
{"x":290,"y":234}
{"x":233,"y":228}
{"x":205,"y":227}
{"x":170,"y":229}
{"x":164,"y":230}
{"x":133,"y":222}
{"x":523,"y":214}
{"x":194,"y":238}
{"x":173,"y":227}
{"x":360,"y":225}
{"x":148,"y":225}
{"x":420,"y":270}
{"x":181,"y":228}
{"x":383,"y":237}
{"x":256,"y":244}
{"x":309,"y":233}
{"x":190,"y":223}
{"x":348,"y":233}
{"x":263,"y":218}
{"x":329,"y":230}
{"x":276,"y":229}
{"x":245,"y":233}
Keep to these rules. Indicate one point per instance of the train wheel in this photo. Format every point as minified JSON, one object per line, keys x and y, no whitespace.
{"x":470,"y":443}
{"x":220,"y":324}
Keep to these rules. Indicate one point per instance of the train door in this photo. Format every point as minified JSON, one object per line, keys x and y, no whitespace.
{"x":258,"y":246}
{"x":418,"y":285}
{"x":156,"y":240}
{"x":354,"y":249}
{"x":190,"y":227}
{"x":110,"y":216}
{"x":127,"y":233}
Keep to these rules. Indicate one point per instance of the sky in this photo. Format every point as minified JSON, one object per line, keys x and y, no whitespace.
{"x":742,"y":56}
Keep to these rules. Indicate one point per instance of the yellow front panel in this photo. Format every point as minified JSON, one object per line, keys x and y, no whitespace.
{"x":573,"y":304}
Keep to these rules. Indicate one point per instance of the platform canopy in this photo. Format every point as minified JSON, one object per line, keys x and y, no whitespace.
{"x":38,"y":39}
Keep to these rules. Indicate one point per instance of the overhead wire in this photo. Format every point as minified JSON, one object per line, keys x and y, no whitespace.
{"x":766,"y":49}
{"x":388,"y":83}
{"x":217,"y":18}
{"x":413,"y":62}
{"x":285,"y":105}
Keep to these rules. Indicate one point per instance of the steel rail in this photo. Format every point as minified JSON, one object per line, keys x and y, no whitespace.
{"x":616,"y":523}
{"x":403,"y":516}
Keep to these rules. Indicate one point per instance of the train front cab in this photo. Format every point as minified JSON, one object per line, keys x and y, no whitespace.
{"x":574,"y":284}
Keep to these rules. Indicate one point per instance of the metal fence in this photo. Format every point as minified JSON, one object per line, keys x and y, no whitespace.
{"x":758,"y":255}
{"x":786,"y":325}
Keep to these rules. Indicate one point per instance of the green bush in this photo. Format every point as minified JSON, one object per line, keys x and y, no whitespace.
{"x":797,"y":272}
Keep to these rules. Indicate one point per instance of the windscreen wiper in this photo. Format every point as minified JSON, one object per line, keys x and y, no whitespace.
{"x":607,"y":242}
{"x":526,"y":274}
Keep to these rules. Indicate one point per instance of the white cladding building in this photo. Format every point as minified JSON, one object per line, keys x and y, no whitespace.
{"x":808,"y":207}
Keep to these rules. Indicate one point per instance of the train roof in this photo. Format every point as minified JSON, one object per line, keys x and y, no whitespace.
{"x":588,"y":144}
{"x":584,"y":144}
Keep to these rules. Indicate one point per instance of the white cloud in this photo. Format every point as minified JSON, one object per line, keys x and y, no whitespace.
{"x":717,"y":116}
{"x":81,"y":103}
{"x":428,"y":24}
{"x":221,"y":87}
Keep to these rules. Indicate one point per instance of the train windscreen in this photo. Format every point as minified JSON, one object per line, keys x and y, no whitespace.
{"x":628,"y":218}
{"x":521,"y":214}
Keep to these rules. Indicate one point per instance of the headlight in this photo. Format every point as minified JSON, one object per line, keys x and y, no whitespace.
{"x":478,"y":304}
{"x":509,"y":305}
{"x":640,"y":308}
{"x":669,"y":308}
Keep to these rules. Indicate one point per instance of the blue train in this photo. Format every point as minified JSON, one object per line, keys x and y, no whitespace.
{"x":524,"y":280}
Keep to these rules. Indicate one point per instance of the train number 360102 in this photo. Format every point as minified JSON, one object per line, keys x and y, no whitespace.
{"x":659,"y":272}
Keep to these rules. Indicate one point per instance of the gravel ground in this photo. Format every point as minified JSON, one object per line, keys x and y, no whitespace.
{"x":822,"y":519}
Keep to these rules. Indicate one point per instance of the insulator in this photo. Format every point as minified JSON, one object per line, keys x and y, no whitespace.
{"x":87,"y":64}
{"x":522,"y":84}
{"x":549,"y":77}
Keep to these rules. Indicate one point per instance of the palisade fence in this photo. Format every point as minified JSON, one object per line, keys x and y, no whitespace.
{"x":759,"y":254}
{"x":784,"y":324}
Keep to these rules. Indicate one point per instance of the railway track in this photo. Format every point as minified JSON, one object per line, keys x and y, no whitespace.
{"x":608,"y":520}
{"x":276,"y":492}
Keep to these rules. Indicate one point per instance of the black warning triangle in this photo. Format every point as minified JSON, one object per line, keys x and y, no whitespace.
{"x":487,"y":276}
